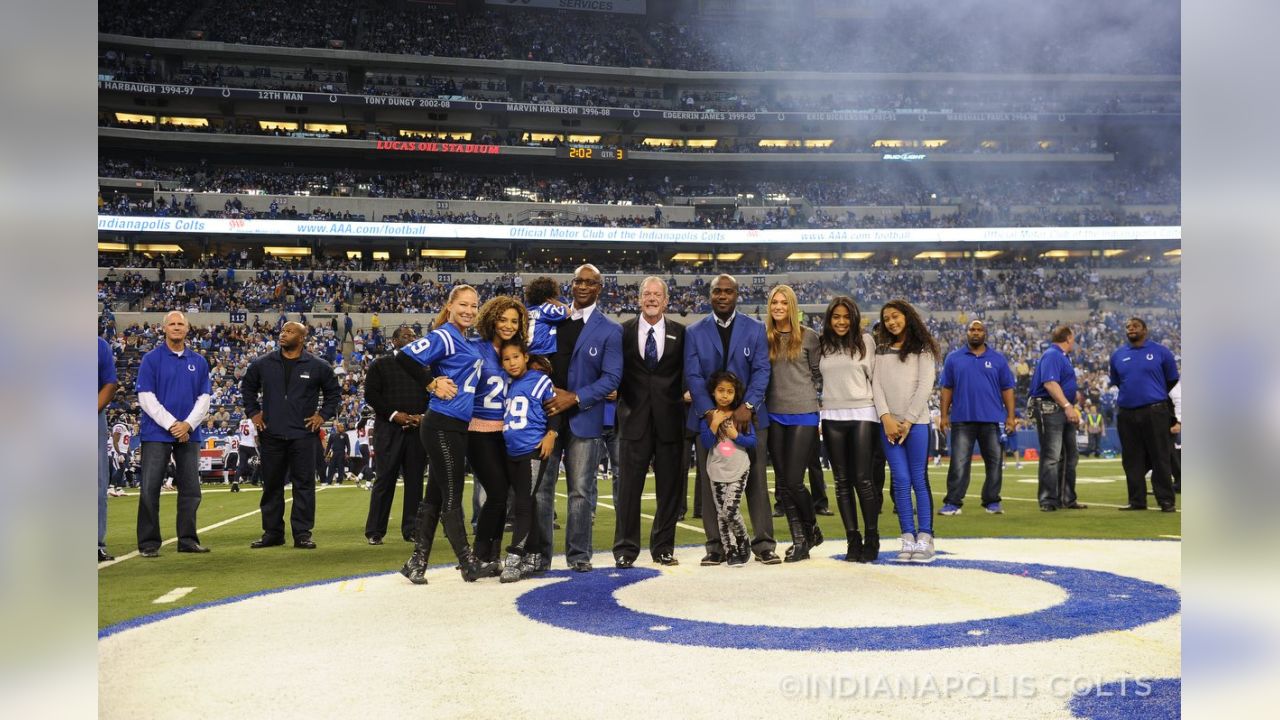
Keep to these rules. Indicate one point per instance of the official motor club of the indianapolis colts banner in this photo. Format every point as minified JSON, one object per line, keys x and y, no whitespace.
{"x":338,"y":228}
{"x":629,"y":7}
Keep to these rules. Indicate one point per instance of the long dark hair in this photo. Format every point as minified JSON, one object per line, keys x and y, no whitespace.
{"x":915,"y":336}
{"x":831,"y":343}
{"x":720,"y":376}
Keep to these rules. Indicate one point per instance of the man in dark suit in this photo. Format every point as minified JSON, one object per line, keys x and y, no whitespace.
{"x":650,"y":409}
{"x":398,"y":400}
{"x":586,"y":367}
{"x":729,"y":340}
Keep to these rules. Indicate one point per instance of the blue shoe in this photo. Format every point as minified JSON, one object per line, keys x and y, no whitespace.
{"x":949,"y":509}
{"x":994,"y":509}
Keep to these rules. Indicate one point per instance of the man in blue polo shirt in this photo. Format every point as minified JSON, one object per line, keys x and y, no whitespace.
{"x":977,"y":395}
{"x":1054,"y":395}
{"x":174,"y":393}
{"x":1145,"y":372}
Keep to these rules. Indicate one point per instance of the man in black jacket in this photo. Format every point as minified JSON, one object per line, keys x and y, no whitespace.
{"x":336,"y":454}
{"x":398,"y":397}
{"x":650,"y":426}
{"x":291,"y":383}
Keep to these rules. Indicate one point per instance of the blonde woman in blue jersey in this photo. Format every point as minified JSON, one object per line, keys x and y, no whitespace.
{"x":457,"y":367}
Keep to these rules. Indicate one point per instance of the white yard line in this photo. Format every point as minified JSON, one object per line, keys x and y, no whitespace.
{"x":171,"y":541}
{"x":172,"y":596}
{"x":643,"y":515}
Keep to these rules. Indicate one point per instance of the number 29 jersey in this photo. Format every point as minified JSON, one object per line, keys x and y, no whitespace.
{"x":453,"y":356}
{"x":525,"y":419}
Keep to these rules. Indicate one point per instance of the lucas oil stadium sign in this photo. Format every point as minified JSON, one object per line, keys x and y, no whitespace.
{"x":328,"y":228}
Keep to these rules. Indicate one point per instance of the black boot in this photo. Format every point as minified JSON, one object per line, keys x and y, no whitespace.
{"x":870,"y":547}
{"x":815,"y":535}
{"x":799,"y":549}
{"x":853,"y":553}
{"x":424,"y":534}
{"x":455,"y":528}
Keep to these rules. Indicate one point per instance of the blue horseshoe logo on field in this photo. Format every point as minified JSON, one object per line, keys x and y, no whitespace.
{"x":1096,"y":602}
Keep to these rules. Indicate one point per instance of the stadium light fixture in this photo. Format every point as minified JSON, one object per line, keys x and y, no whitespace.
{"x":704,"y":257}
{"x":1176,"y":252}
{"x":277,"y":125}
{"x":286,"y":251}
{"x":112,"y":247}
{"x":986,"y":254}
{"x":937,"y":255}
{"x":158,"y":248}
{"x":443,"y":254}
{"x":1112,"y":252}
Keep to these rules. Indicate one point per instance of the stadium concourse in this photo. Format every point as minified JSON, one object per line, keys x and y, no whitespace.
{"x":348,"y":166}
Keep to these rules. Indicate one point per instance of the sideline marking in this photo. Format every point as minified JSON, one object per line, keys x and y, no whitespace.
{"x":172,"y":596}
{"x":1172,"y":537}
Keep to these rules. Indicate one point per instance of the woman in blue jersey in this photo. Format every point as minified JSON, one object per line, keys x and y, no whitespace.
{"x":795,"y":382}
{"x":457,"y":367}
{"x":500,"y":320}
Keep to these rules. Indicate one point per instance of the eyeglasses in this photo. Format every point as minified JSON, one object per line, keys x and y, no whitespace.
{"x":585,"y":281}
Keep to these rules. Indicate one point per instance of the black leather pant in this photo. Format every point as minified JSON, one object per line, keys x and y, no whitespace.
{"x":851,"y":446}
{"x":789,"y":449}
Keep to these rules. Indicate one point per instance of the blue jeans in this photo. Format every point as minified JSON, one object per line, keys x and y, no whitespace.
{"x":1058,"y":457}
{"x":155,"y":461}
{"x":104,"y":475}
{"x":582,"y":457}
{"x":963,"y":435}
{"x":909,"y":476}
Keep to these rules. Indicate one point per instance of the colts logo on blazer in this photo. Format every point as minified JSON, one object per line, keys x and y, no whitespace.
{"x":746,"y":352}
{"x":1151,"y":356}
{"x":593,"y":351}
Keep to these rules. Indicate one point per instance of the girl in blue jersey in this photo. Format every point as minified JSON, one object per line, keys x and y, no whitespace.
{"x":502,"y":319}
{"x":529,"y":437}
{"x":457,"y":368}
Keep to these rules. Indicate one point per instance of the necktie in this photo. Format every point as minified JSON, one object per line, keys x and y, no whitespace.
{"x":651,"y":352}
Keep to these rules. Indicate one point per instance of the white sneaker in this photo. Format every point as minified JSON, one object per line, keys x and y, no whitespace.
{"x":923,"y":552}
{"x":908,"y":547}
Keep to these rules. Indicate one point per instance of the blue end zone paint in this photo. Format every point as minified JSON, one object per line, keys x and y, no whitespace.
{"x":1096,"y":602}
{"x":1131,"y":700}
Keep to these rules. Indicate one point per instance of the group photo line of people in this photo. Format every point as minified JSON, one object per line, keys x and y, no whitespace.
{"x":514,"y":389}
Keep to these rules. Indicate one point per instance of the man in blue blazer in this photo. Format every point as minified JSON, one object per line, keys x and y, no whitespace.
{"x":586,"y":366}
{"x":729,"y":340}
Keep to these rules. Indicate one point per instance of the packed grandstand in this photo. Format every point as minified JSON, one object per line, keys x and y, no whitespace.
{"x":690,"y":116}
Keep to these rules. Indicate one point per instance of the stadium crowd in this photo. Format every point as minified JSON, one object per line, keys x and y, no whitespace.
{"x":311,"y":291}
{"x":902,"y":37}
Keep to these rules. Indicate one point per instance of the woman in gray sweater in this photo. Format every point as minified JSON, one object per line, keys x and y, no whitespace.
{"x":850,"y":425}
{"x":794,"y":385}
{"x":902,"y":381}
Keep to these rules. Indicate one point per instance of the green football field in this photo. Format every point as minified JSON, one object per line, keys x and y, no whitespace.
{"x":230,"y":521}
